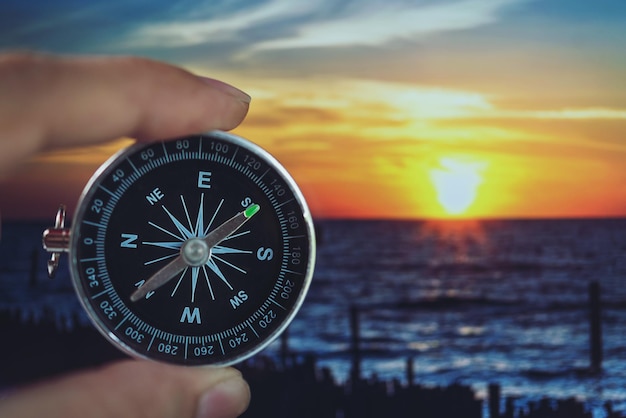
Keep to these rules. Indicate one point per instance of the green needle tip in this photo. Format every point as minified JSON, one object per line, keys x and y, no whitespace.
{"x":251,"y":210}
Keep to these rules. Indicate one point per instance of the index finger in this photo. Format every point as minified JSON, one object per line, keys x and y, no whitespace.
{"x":49,"y":102}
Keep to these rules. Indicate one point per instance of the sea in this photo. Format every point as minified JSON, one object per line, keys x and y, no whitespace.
{"x":471,"y":302}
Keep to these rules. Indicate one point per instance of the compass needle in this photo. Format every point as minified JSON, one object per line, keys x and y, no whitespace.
{"x":231,"y":226}
{"x":159,"y":220}
{"x":159,"y":278}
{"x":194,"y":252}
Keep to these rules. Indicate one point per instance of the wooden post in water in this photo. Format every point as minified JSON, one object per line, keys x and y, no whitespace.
{"x":284,"y":347}
{"x":494,"y":400}
{"x":410,"y":372}
{"x":355,"y":373}
{"x":595,"y":327}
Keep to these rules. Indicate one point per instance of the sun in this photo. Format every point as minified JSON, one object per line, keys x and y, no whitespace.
{"x":456,"y":182}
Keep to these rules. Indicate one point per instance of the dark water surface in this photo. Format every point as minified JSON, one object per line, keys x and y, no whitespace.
{"x":470,"y":302}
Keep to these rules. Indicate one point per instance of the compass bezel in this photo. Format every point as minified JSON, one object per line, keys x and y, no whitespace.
{"x":108,"y":167}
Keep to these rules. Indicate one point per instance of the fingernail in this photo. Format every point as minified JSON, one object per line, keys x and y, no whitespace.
{"x":228,"y":399}
{"x":227,"y":88}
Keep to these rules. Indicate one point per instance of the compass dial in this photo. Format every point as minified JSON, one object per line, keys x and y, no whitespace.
{"x":194,"y":251}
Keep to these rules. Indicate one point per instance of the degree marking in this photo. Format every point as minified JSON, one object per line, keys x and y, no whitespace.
{"x":132,"y":165}
{"x":277,"y":304}
{"x":253,"y":330}
{"x":121,"y":322}
{"x":221,"y":346}
{"x":285,"y":202}
{"x":104,"y":292}
{"x":108,"y":191}
{"x":151,"y":341}
{"x":97,"y":225}
{"x":84,"y":260}
{"x":263,"y":175}
{"x":233,"y":158}
{"x":294,"y":236}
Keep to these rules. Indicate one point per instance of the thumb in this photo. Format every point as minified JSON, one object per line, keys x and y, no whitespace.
{"x":133,"y":389}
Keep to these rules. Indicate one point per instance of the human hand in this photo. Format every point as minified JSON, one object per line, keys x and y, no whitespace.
{"x":48,"y":102}
{"x":134,"y":389}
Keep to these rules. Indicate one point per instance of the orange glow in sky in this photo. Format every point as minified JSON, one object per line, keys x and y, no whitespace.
{"x":470,"y":114}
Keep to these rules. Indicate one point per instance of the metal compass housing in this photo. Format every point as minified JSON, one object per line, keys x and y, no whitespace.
{"x":194,"y":251}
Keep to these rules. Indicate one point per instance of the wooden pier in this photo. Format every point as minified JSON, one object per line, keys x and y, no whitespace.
{"x":293,"y":385}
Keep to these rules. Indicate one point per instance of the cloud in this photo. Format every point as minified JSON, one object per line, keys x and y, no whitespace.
{"x":216,"y":28}
{"x":377,"y":23}
{"x":324,"y":23}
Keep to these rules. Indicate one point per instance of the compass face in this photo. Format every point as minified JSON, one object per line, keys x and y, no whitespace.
{"x":194,"y":251}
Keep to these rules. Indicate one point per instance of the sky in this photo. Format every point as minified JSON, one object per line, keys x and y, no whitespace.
{"x":378,"y":108}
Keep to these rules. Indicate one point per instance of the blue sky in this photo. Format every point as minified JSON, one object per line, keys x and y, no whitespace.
{"x":436,"y":41}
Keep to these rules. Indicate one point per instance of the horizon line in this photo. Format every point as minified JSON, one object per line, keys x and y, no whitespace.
{"x":403,"y":219}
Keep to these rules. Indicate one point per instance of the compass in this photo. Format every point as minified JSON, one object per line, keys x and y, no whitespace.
{"x":194,"y":251}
